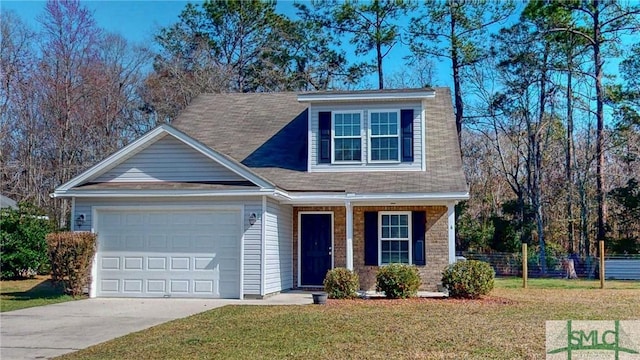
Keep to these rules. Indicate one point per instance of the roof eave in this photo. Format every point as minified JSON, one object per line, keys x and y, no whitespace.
{"x":328,"y":97}
{"x":386,"y":198}
{"x":158,"y":193}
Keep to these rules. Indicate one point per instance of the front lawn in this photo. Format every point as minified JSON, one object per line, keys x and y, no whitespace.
{"x":549,"y":283}
{"x":20,"y":294}
{"x":509,"y":324}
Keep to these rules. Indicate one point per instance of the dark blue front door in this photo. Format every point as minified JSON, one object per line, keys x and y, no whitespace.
{"x":315,"y":250}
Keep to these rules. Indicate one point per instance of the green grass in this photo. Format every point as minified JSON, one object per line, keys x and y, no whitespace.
{"x":508,"y":324}
{"x":516,"y":282}
{"x":20,"y":294}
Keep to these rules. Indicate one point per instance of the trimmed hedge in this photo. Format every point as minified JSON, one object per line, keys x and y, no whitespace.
{"x":398,"y":281}
{"x":341,"y":283}
{"x":71,"y":255}
{"x":468,"y":279}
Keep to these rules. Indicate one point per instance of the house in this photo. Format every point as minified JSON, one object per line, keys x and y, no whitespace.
{"x":247,"y":195}
{"x":7,"y":202}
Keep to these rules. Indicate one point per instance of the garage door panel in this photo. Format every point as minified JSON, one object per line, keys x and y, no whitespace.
{"x":156,"y":263}
{"x":154,"y":258}
{"x":203,"y":263}
{"x":180,"y":263}
{"x":134,"y":218}
{"x":203,"y":286}
{"x":132,"y":285}
{"x":156,"y":286}
{"x":110,"y":285}
{"x":133,"y":241}
{"x":109,"y":263}
{"x":157,"y":242}
{"x":180,"y":286}
{"x":133,"y":263}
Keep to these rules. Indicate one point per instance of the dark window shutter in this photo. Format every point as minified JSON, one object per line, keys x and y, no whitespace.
{"x":371,"y":238}
{"x":324,"y":129}
{"x":417,"y":235}
{"x":406,"y":138}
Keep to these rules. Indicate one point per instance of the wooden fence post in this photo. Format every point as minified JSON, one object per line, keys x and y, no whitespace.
{"x":525,"y":270}
{"x":601,"y":248}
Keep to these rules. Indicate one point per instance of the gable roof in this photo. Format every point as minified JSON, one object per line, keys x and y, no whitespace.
{"x":7,"y":202}
{"x":267,"y":132}
{"x":83,"y":181}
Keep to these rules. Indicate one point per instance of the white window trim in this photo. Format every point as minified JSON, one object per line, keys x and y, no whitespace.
{"x":370,"y":136}
{"x":333,"y":137}
{"x":410,"y":239}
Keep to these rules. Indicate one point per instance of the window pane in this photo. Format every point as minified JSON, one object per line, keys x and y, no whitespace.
{"x":385,"y":232}
{"x":404,"y":246}
{"x":385,"y":258}
{"x":347,"y":149}
{"x":395,"y":245}
{"x":404,"y":232}
{"x":395,"y":219}
{"x":404,"y":257}
{"x":395,"y":232}
{"x":385,"y":246}
{"x":384,"y":148}
{"x":385,"y":219}
{"x":404,"y":220}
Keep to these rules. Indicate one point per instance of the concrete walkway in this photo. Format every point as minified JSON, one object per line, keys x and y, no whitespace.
{"x":47,"y":331}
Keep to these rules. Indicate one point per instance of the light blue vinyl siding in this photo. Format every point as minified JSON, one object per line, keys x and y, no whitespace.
{"x":168,"y":159}
{"x":252,"y":233}
{"x":279,"y":247}
{"x":366,"y":107}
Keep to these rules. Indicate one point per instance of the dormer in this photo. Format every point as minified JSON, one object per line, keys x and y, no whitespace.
{"x":379,"y":130}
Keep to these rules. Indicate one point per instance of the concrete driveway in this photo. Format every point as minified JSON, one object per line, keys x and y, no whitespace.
{"x":48,"y":331}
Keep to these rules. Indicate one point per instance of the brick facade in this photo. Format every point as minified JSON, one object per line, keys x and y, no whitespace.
{"x":436,"y":245}
{"x":436,"y":236}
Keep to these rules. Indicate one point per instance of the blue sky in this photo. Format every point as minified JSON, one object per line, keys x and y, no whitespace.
{"x":139,"y":20}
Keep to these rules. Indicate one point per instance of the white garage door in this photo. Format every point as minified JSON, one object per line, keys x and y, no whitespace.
{"x":168,"y":253}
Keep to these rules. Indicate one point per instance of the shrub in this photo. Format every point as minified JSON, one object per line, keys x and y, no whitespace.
{"x":23,"y":250}
{"x":468,"y":279}
{"x":341,"y":283}
{"x":398,"y":281}
{"x":71,"y":254}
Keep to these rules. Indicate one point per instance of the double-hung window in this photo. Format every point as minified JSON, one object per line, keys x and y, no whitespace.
{"x":384,"y":142}
{"x":394,"y":235}
{"x":347,"y":137}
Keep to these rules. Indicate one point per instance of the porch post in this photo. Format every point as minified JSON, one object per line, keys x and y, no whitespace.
{"x":451,"y":221}
{"x":349,"y":232}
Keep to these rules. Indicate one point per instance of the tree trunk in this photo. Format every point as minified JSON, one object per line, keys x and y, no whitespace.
{"x":379,"y":58}
{"x":569,"y":163}
{"x":455,"y":67}
{"x":600,"y":186}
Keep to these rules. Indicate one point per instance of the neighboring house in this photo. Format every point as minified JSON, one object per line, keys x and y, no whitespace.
{"x":246,"y":195}
{"x":7,"y":202}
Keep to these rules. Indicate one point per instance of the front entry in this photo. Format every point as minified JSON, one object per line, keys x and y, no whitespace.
{"x":316,"y":232}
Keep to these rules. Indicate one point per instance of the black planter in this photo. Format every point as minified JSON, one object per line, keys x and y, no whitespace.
{"x":319,"y":298}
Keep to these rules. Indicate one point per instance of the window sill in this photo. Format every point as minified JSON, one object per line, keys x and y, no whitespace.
{"x":385,"y":162}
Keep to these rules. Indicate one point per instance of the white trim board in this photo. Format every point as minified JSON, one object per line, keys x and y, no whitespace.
{"x":366,"y":95}
{"x":148,"y":139}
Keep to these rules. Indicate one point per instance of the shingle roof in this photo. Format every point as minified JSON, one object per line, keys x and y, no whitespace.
{"x":267,"y":132}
